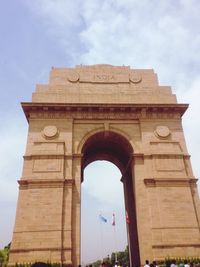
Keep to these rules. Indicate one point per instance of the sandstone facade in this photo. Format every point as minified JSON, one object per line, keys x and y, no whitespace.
{"x":113,"y":113}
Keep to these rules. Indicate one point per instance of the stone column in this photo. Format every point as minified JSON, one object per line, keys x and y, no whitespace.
{"x":142,"y":208}
{"x":76,"y":212}
{"x":66,"y":235}
{"x":195,"y":198}
{"x":131,"y":216}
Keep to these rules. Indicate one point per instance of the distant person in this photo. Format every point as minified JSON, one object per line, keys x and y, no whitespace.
{"x":186,"y":264}
{"x":173,"y":264}
{"x":155,"y":264}
{"x":146,"y":263}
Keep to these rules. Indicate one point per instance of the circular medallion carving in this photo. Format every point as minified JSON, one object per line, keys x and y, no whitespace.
{"x":135,"y":78}
{"x":162,"y":131}
{"x":73,"y":77}
{"x":50,"y":131}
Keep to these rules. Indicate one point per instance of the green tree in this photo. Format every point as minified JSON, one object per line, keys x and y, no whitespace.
{"x":1,"y":257}
{"x":96,"y":263}
{"x":4,"y":255}
{"x":122,"y":257}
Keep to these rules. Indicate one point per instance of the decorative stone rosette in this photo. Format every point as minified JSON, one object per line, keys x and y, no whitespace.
{"x":162,"y":132}
{"x":50,"y":132}
{"x":135,"y":77}
{"x":73,"y":77}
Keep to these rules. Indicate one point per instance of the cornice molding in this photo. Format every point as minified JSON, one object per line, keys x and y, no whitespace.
{"x":44,"y":183}
{"x":172,"y":182}
{"x":103,"y":111}
{"x":162,"y":246}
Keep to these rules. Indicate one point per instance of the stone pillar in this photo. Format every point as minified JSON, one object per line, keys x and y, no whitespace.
{"x":131,"y":215}
{"x":76,"y":210}
{"x":195,"y":199}
{"x":142,"y":208}
{"x":38,"y":227}
{"x":66,"y":235}
{"x":43,"y":228}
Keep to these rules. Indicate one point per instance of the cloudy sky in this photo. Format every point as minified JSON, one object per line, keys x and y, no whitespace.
{"x":36,"y":35}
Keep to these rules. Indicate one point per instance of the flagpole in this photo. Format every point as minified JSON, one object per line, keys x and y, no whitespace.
{"x":102,"y":219}
{"x":101,"y":236}
{"x":128,"y":237}
{"x":115,"y":244}
{"x":115,"y":240}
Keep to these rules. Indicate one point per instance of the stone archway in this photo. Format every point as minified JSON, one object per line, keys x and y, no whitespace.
{"x":114,"y":113}
{"x":110,"y":146}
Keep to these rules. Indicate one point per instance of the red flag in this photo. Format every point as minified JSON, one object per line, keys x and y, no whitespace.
{"x":127,"y":218}
{"x":113,"y":220}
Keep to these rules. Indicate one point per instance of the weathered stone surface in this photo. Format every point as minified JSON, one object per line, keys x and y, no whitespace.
{"x":118,"y":114}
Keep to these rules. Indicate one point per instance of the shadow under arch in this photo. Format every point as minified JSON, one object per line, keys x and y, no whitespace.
{"x":113,"y":147}
{"x":101,"y":130}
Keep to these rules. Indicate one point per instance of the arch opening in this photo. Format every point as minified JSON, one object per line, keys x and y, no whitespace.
{"x":102,"y":193}
{"x":117,"y":149}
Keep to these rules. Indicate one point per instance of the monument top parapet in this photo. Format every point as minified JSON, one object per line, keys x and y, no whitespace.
{"x":103,"y":83}
{"x":101,"y":73}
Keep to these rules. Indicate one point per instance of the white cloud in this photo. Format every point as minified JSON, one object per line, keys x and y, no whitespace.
{"x":62,"y":20}
{"x":60,"y":13}
{"x":143,"y":34}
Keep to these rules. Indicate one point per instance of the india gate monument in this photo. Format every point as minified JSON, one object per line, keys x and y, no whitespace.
{"x":114,"y":113}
